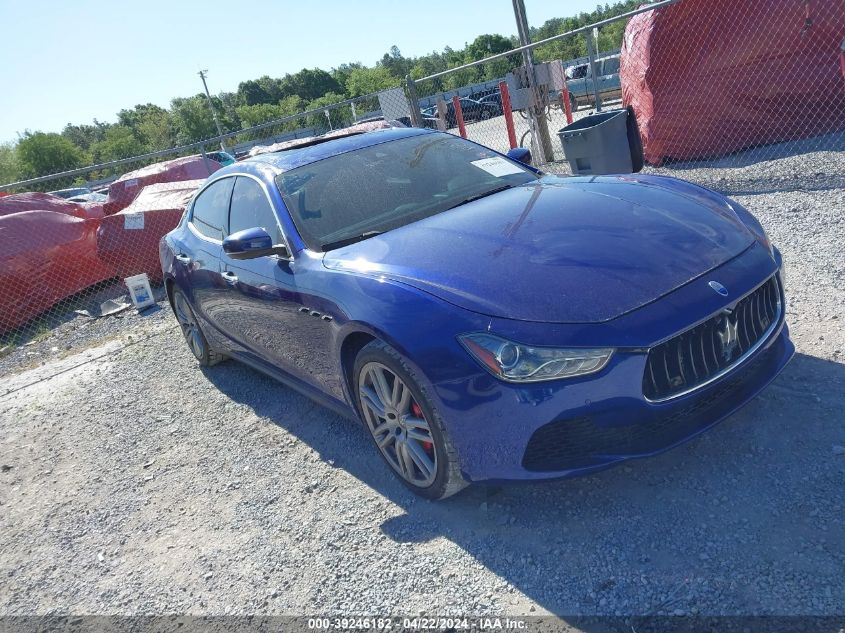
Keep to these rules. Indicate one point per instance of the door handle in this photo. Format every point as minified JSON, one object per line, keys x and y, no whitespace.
{"x":183,"y":258}
{"x":230,"y":277}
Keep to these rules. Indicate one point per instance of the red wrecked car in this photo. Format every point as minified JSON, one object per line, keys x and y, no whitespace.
{"x":705,"y":79}
{"x":128,"y":240}
{"x":37,"y":201}
{"x":49,"y":253}
{"x":126,"y":188}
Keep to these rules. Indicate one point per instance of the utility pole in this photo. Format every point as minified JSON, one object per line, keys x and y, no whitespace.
{"x":536,"y":113}
{"x":211,"y":106}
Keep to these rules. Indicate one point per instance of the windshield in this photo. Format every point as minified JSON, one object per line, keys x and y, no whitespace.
{"x":382,"y":187}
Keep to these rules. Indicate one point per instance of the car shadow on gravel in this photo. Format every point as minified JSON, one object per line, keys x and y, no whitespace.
{"x":728,"y":523}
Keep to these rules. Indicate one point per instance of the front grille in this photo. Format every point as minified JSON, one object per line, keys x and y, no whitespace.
{"x":576,"y":443}
{"x":702,"y":353}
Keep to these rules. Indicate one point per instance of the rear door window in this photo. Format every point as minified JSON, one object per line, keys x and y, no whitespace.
{"x":611,"y":66}
{"x":211,"y":209}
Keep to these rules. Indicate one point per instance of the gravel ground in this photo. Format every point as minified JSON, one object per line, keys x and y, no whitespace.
{"x":132,"y":481}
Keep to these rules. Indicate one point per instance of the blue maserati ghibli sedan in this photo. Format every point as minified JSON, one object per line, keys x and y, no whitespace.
{"x":483,"y":320}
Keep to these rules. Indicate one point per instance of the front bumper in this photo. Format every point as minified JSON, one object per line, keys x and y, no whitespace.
{"x":572,"y":427}
{"x":544,"y":432}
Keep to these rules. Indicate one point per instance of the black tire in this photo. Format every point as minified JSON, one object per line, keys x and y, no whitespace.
{"x":486,"y":114}
{"x":447,"y":480}
{"x":192,"y":331}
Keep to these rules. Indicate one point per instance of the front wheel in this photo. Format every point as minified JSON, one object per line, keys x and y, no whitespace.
{"x":403,"y":424}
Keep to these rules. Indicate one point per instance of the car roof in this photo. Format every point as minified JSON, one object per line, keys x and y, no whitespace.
{"x":274,"y":163}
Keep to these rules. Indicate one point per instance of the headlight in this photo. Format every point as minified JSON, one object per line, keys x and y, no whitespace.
{"x":520,"y":363}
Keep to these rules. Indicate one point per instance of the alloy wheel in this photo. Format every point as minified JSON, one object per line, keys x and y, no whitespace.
{"x":190,"y":329}
{"x":398,"y":425}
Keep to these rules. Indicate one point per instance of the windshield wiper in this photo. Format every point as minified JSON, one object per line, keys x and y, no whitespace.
{"x":346,"y":241}
{"x":482,"y":195}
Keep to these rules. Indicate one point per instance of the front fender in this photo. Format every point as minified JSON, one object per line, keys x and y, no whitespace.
{"x":420,"y":326}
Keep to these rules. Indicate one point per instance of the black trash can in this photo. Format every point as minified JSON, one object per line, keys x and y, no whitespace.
{"x":603,"y":143}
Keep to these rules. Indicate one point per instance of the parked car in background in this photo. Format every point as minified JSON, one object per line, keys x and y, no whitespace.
{"x":605,"y":317}
{"x":224,"y":158}
{"x":579,"y":82}
{"x":471,"y":110}
{"x":493,"y":100}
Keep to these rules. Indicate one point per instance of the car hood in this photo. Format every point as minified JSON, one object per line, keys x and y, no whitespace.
{"x":564,"y":250}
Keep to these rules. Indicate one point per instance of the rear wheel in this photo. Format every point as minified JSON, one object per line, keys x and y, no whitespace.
{"x":192,"y":332}
{"x":404,"y":426}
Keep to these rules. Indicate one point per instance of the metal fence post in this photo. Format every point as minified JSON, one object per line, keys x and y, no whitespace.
{"x":442,"y":110}
{"x":459,"y":116}
{"x":414,"y":102}
{"x":591,"y":53}
{"x":542,"y":145}
{"x":508,"y":112}
{"x":205,"y":160}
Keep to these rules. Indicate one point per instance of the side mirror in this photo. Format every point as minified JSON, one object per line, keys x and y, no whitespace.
{"x":252,"y":243}
{"x":520,"y":154}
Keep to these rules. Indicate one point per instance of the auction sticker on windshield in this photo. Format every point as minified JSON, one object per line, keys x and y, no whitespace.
{"x":497,"y":166}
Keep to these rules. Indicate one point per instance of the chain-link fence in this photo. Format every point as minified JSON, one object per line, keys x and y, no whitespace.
{"x":743,"y":97}
{"x":78,"y":246}
{"x":740,"y":96}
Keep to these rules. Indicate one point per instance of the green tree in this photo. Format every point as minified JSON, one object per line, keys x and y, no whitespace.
{"x":251,"y":93}
{"x":192,"y":120}
{"x":42,"y":154}
{"x":309,"y":84}
{"x":85,"y":135}
{"x":150,"y":124}
{"x":10,"y":169}
{"x":119,"y":142}
{"x":395,"y":63}
{"x":340,"y":117}
{"x":265,"y":112}
{"x":341,"y":74}
{"x":363,"y":81}
{"x":610,"y":36}
{"x":257,"y":114}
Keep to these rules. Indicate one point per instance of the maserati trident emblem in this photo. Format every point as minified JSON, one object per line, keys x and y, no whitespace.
{"x":719,"y":288}
{"x":729,"y":338}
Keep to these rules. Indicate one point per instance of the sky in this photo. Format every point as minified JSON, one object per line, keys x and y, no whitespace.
{"x":72,"y":62}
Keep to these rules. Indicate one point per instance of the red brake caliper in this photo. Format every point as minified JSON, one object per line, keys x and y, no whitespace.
{"x":417,"y":411}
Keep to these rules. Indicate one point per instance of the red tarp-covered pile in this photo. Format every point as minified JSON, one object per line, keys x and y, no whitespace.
{"x":710,"y":77}
{"x":128,"y":240}
{"x":124,"y":190}
{"x":48,"y":254}
{"x":35,"y":201}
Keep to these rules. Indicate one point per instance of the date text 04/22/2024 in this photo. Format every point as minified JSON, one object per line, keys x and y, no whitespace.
{"x":416,"y":623}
